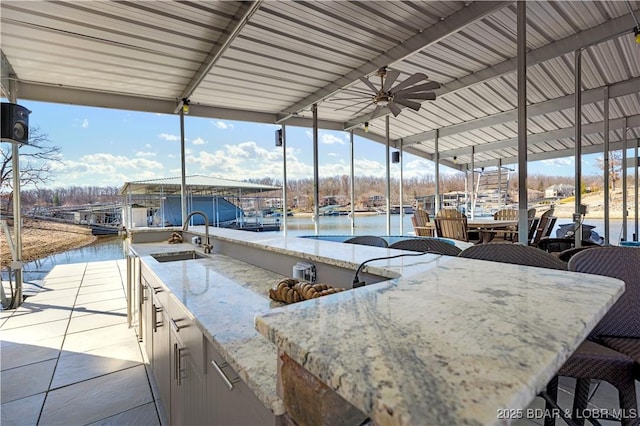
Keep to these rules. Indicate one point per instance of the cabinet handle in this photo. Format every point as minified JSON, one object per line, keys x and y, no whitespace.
{"x":156,"y":290}
{"x":175,"y":325}
{"x":179,"y":373}
{"x":219,"y":368}
{"x":154,"y":317}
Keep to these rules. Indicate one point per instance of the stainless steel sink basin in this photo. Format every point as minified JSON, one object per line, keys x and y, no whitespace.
{"x":180,"y":255}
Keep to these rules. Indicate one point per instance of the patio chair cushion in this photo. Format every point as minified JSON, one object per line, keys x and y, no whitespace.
{"x":514,"y":253}
{"x":368,"y":240}
{"x":426,"y":244}
{"x":627,"y":346}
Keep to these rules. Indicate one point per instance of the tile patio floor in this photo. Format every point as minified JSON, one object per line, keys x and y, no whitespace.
{"x":67,"y":356}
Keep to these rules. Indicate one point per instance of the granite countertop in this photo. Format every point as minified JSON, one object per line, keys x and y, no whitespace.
{"x":444,"y":340}
{"x":451,"y":341}
{"x":224,"y":295}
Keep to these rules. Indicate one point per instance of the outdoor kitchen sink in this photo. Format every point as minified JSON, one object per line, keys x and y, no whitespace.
{"x":178,"y":255}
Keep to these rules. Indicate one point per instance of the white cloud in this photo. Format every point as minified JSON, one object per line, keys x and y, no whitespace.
{"x":222,"y":125}
{"x":148,"y":146}
{"x":199,"y":141}
{"x":330,"y":139}
{"x":559,"y":162}
{"x":169,"y":137}
{"x":145,"y":154}
{"x":333,"y":154}
{"x":171,"y":156}
{"x":85,"y":123}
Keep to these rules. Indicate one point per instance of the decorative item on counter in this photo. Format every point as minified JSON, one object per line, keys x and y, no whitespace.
{"x":290,"y":290}
{"x":175,"y":238}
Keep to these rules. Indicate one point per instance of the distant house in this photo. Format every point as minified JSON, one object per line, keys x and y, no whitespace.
{"x":560,"y":190}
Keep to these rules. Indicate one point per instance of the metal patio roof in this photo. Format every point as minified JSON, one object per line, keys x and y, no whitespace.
{"x":195,"y":184}
{"x":269,"y":61}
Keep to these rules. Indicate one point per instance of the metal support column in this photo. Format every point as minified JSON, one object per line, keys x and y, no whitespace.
{"x":635,"y":199}
{"x":316,"y":177}
{"x":500,"y":183}
{"x":623,"y":233}
{"x":16,"y":264}
{"x":352,"y":185}
{"x":523,"y":221}
{"x":473,"y":182}
{"x":183,"y":171}
{"x":578,"y":147}
{"x":606,"y":166}
{"x":388,"y":185}
{"x":401,"y":190}
{"x":285,"y":198}
{"x":436,"y":201}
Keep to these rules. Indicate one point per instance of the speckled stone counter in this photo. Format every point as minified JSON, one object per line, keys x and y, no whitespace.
{"x":444,"y":340}
{"x":224,"y":295}
{"x":450,"y":341}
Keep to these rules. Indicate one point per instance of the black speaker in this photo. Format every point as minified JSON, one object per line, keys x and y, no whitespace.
{"x":15,"y":122}
{"x":395,"y":157}
{"x":279,"y":137}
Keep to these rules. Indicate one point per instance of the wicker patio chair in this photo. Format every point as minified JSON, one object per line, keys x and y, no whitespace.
{"x":516,"y":254}
{"x":368,"y":240}
{"x":620,"y":328}
{"x":426,"y":244}
{"x":590,"y":361}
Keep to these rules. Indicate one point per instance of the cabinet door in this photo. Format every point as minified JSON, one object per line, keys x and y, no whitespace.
{"x":147,"y":318}
{"x":161,"y":354}
{"x":231,"y":402}
{"x":188,"y":385}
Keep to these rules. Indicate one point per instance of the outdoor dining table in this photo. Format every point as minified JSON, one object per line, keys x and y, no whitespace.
{"x":487,"y":227}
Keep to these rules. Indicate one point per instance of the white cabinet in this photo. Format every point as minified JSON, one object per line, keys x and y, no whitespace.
{"x":231,"y":402}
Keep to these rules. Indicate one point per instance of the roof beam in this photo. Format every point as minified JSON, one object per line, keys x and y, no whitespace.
{"x":7,"y":74}
{"x":622,"y":88}
{"x":603,"y":32}
{"x":532,"y":139}
{"x":431,"y":35}
{"x":245,"y":12}
{"x":587,"y":149}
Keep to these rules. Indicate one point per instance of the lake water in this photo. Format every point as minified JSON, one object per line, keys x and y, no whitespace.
{"x":112,"y":248}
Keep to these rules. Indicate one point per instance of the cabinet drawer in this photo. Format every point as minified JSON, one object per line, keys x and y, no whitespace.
{"x":185,"y":328}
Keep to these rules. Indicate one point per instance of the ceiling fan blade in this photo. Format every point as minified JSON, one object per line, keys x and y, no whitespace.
{"x":395,"y":109}
{"x":425,"y":87}
{"x":363,"y":108}
{"x":391,"y":78}
{"x":425,"y":96}
{"x":352,"y":105}
{"x":369,"y":84}
{"x":413,"y":105}
{"x":410,"y":81}
{"x":375,"y":111}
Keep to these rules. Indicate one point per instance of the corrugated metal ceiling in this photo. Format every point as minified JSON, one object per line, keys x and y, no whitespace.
{"x":286,"y":55}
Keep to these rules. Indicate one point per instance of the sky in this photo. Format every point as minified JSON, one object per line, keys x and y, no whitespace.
{"x":106,"y":147}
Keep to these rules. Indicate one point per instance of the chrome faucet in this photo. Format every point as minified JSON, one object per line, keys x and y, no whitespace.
{"x":185,"y":227}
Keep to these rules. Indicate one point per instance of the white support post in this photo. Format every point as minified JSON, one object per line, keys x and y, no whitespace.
{"x":523,"y":221}
{"x":316,"y":176}
{"x":388,"y":185}
{"x":183,"y":171}
{"x":436,"y":201}
{"x":623,"y":234}
{"x":401,"y":190}
{"x":606,"y":166}
{"x":352,"y":185}
{"x":285,"y":197}
{"x":473,"y":182}
{"x":578,"y":147}
{"x":637,"y":171}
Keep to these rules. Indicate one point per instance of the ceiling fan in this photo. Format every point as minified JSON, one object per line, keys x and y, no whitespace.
{"x":407,"y":93}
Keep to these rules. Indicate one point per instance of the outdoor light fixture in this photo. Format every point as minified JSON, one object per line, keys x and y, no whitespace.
{"x":455,"y":159}
{"x":185,"y":106}
{"x":636,"y":32}
{"x":366,"y":126}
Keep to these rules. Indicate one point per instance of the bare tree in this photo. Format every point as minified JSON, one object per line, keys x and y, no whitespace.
{"x":615,"y":167}
{"x":35,"y":160}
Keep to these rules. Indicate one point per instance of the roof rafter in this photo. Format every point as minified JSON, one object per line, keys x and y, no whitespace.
{"x":431,"y":35}
{"x":621,"y":88}
{"x":603,"y":32}
{"x":567,"y":132}
{"x":245,"y":11}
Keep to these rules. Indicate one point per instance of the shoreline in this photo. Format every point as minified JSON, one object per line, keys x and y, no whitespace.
{"x":41,"y":238}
